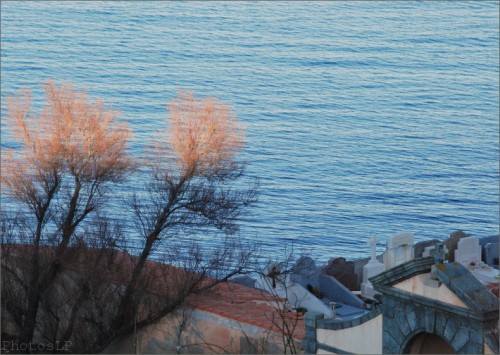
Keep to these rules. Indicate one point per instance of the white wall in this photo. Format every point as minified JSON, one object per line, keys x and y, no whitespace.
{"x":206,"y":333}
{"x":442,"y":293}
{"x":365,"y":338}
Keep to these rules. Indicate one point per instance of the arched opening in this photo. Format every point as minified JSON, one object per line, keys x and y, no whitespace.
{"x":428,"y":343}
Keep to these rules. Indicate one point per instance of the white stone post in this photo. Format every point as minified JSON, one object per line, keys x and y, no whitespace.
{"x":332,"y":310}
{"x":373,"y":244}
{"x":372,"y":268}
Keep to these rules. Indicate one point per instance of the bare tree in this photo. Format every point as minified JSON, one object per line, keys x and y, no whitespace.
{"x":71,"y":152}
{"x":76,"y":285}
{"x":275,"y":276}
{"x":192,"y":189}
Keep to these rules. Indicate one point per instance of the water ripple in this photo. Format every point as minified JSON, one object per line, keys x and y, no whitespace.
{"x":362,"y":117}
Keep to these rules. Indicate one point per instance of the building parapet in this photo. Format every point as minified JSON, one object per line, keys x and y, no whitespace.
{"x":333,"y":324}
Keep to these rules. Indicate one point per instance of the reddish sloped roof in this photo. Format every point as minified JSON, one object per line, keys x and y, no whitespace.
{"x":248,"y":305}
{"x":233,"y":301}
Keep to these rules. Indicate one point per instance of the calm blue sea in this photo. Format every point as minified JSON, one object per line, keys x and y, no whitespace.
{"x":362,"y":117}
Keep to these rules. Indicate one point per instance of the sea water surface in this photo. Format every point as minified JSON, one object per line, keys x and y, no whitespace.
{"x":362,"y":118}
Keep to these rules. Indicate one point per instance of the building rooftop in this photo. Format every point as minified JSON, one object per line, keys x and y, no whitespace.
{"x":226,"y":299}
{"x":470,"y":290}
{"x":346,"y":312}
{"x":247,"y":305}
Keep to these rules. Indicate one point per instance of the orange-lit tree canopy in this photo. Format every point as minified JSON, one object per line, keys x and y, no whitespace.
{"x":69,"y":153}
{"x":204,"y":136}
{"x":71,"y":134}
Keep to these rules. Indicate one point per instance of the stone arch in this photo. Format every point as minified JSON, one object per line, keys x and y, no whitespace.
{"x":405,"y":318}
{"x":421,"y":342}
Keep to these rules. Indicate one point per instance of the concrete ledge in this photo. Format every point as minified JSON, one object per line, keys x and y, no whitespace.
{"x":406,"y":270}
{"x":332,"y":324}
{"x":312,"y":317}
{"x":437,"y":304}
{"x":432,"y":283}
{"x":461,"y":282}
{"x":332,"y":349}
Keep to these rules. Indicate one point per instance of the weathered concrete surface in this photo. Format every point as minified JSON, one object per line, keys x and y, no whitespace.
{"x":205,"y":333}
{"x":337,"y":292}
{"x":365,"y":338}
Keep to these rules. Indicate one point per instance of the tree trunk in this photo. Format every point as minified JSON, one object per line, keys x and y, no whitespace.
{"x":124,"y":314}
{"x":29,"y":323}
